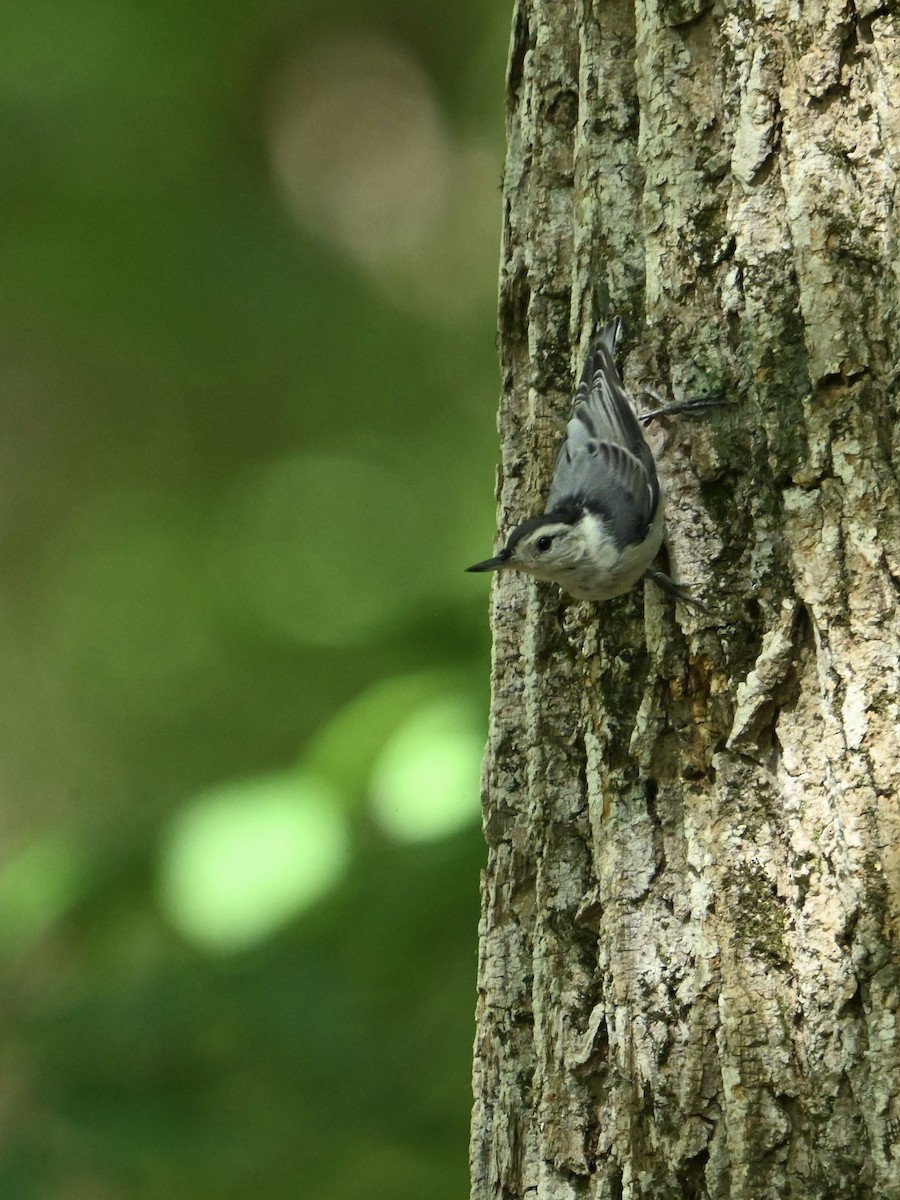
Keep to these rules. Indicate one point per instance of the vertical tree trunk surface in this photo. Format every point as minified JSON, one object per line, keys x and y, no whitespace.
{"x":690,"y":952}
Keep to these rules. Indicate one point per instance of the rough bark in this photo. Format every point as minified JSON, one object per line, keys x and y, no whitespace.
{"x":690,"y":957}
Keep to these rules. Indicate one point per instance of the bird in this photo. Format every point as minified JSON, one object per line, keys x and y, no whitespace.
{"x":604,"y":520}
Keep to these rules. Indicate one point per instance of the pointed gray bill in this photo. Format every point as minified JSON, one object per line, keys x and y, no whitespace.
{"x":492,"y":564}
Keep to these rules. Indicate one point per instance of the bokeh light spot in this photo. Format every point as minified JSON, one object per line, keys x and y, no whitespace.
{"x":311,"y":560}
{"x":345,"y":748}
{"x":358,"y":147}
{"x":127,"y":613}
{"x":37,"y":887}
{"x":362,"y":154}
{"x":425,"y":783}
{"x":241,"y":860}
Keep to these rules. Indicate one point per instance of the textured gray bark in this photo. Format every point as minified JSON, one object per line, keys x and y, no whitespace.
{"x":690,"y":952}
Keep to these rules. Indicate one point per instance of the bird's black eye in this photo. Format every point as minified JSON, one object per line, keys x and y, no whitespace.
{"x":545,"y":542}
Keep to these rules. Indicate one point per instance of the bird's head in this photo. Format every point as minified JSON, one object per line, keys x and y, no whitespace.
{"x":551,"y":547}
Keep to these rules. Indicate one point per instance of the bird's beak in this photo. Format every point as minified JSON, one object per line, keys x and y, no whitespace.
{"x":497,"y":563}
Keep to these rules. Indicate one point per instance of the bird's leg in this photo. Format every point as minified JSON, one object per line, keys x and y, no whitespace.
{"x":695,"y":404}
{"x":674,"y":589}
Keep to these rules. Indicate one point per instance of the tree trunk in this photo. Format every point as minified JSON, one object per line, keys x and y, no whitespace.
{"x":690,"y":953}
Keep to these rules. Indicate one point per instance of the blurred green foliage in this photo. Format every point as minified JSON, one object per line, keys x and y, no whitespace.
{"x":248,"y":381}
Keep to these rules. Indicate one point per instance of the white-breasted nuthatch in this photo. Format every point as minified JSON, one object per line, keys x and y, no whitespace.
{"x":604,"y":520}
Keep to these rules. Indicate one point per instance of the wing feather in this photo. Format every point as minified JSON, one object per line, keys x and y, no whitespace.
{"x":605,"y":463}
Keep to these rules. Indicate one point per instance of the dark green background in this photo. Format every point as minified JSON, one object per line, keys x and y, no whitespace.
{"x":247,"y":272}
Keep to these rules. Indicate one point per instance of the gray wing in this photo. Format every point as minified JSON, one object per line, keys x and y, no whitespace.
{"x":605,"y":463}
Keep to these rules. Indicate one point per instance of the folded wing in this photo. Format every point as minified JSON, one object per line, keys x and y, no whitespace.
{"x":605,"y":463}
